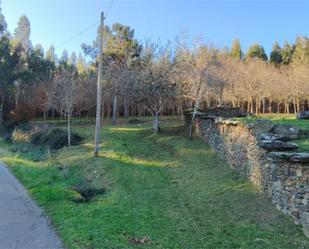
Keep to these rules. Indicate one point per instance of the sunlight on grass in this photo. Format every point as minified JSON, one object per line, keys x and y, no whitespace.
{"x":122,"y":157}
{"x":278,"y":116}
{"x":16,"y":160}
{"x":126,"y":129}
{"x":172,"y":190}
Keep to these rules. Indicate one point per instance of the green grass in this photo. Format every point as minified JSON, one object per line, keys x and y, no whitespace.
{"x":287,"y":119}
{"x":291,"y":120}
{"x":172,"y":191}
{"x":280,"y":119}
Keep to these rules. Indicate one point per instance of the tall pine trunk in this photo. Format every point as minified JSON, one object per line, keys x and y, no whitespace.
{"x":114,"y":118}
{"x":2,"y":109}
{"x":126,"y":110}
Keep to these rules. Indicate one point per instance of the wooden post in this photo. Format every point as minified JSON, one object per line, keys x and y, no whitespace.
{"x":99,"y":90}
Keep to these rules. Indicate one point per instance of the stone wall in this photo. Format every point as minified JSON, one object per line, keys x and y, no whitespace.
{"x":262,"y":154}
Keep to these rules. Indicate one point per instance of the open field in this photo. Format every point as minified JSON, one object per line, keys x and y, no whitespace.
{"x":160,"y":192}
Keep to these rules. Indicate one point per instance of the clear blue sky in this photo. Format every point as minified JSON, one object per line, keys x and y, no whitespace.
{"x":54,"y":21}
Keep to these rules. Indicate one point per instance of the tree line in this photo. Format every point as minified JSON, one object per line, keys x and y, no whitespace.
{"x":147,"y":78}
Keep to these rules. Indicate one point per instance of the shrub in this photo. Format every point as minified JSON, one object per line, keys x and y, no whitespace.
{"x":55,"y":138}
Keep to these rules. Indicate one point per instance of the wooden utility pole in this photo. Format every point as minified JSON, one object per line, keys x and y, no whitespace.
{"x":99,"y":90}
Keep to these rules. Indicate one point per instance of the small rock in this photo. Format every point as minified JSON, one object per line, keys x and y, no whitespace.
{"x":277,"y":145}
{"x":280,"y":155}
{"x":288,"y":132}
{"x":262,"y":126}
{"x":272,"y":136}
{"x":300,"y":158}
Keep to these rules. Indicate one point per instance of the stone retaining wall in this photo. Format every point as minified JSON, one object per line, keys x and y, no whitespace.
{"x":256,"y":152}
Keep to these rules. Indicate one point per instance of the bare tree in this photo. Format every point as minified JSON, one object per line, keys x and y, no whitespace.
{"x":154,"y":88}
{"x":194,"y":70}
{"x":65,"y":94}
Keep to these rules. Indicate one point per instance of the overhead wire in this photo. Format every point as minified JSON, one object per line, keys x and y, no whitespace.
{"x":86,"y":29}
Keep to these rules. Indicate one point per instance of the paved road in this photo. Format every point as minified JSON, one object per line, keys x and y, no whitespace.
{"x":22,"y":224}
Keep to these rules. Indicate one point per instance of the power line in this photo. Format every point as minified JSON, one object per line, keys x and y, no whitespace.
{"x":78,"y":34}
{"x":88,"y":28}
{"x":108,"y":8}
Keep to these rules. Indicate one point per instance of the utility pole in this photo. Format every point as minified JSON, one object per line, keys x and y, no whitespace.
{"x":99,"y":90}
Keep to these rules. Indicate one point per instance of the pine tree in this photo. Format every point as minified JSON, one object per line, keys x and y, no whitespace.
{"x":3,"y":24}
{"x":51,"y":55}
{"x":256,"y":51}
{"x":64,"y":57}
{"x":81,"y":64}
{"x":22,"y":33}
{"x":276,"y":55}
{"x":236,"y":50}
{"x":38,"y":49}
{"x":301,"y":52}
{"x":287,"y":52}
{"x":73,"y":59}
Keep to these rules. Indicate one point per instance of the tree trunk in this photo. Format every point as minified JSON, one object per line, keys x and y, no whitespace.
{"x":44,"y":114}
{"x":278,"y":107}
{"x":108,"y":110}
{"x":294,"y":105}
{"x":69,"y":129}
{"x":263,"y":105}
{"x":114,"y":110}
{"x":126,"y":110}
{"x":156,"y":124}
{"x":1,"y":110}
{"x":17,"y":93}
{"x":195,"y":109}
{"x":102,"y":111}
{"x":298,"y":105}
{"x":257,"y":104}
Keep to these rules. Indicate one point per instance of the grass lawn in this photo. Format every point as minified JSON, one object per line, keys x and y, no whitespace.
{"x":289,"y":120}
{"x":162,"y":192}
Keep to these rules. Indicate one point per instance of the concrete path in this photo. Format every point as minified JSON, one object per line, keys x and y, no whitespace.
{"x":22,"y":224}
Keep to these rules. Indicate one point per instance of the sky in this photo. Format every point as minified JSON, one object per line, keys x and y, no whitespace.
{"x":218,"y":22}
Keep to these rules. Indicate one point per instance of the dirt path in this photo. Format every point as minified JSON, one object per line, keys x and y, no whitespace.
{"x":22,"y":224}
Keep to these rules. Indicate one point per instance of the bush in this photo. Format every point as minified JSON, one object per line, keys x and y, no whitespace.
{"x":55,"y":138}
{"x":42,"y":135}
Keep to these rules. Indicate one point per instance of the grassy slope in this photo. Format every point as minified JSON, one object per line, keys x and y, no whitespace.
{"x":174,"y":191}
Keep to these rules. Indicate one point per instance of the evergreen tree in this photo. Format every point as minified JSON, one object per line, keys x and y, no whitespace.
{"x":3,"y":24}
{"x":287,"y":53}
{"x":301,"y":52}
{"x":236,"y":49}
{"x":276,"y":55}
{"x":73,"y":59}
{"x":81,"y":64}
{"x":51,"y":55}
{"x":22,"y":33}
{"x":64,"y":57}
{"x":39,"y":49}
{"x":256,"y":51}
{"x":9,"y":68}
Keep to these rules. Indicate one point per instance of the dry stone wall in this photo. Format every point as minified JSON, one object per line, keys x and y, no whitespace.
{"x":262,"y":153}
